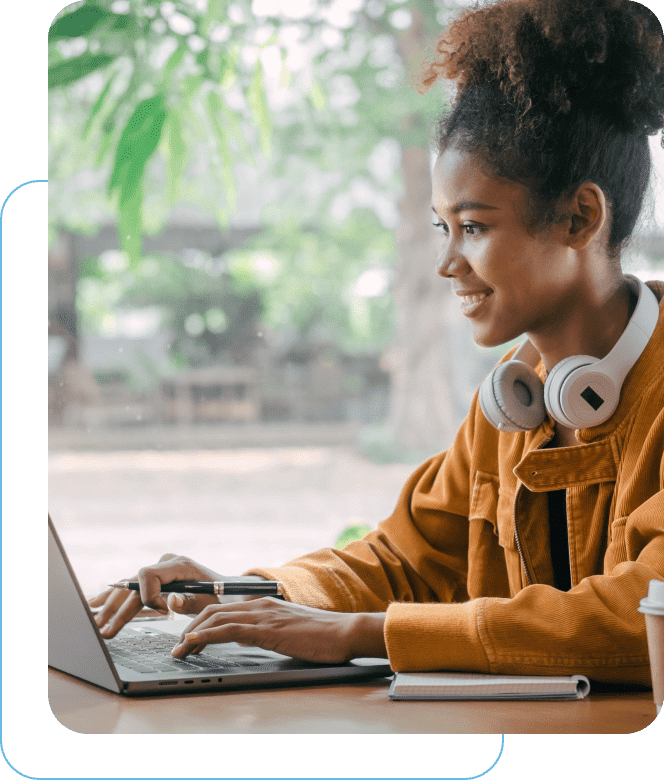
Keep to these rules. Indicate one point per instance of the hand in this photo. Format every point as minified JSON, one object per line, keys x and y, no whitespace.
{"x":311,"y":634}
{"x":119,"y":605}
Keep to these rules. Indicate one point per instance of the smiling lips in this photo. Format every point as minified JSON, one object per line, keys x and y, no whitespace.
{"x":471,"y":303}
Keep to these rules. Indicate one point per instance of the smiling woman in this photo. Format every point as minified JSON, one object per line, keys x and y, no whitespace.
{"x":552,"y":283}
{"x":525,"y":549}
{"x":553,"y":139}
{"x":562,"y":112}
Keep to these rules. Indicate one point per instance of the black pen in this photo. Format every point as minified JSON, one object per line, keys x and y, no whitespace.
{"x":229,"y":588}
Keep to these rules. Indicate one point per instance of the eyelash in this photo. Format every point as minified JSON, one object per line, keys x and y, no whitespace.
{"x":442,"y":226}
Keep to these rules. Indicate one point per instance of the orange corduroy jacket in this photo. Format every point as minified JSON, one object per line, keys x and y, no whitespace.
{"x":463,"y":565}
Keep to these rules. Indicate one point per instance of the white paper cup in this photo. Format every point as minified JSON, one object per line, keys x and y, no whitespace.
{"x":653,"y":608}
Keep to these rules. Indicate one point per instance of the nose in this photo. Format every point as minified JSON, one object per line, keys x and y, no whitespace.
{"x":451,"y":262}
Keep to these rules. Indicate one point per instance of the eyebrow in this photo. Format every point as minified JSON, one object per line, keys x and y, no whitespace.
{"x":467,"y":205}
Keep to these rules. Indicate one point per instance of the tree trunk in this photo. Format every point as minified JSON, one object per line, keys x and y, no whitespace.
{"x":433,"y":364}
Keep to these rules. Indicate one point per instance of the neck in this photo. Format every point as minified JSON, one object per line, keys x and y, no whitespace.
{"x":591,"y":325}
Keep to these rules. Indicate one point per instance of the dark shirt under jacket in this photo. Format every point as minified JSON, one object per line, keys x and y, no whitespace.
{"x":559,"y":541}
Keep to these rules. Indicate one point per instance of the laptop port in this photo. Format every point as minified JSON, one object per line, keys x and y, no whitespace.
{"x":205,"y":681}
{"x":219,"y":679}
{"x":188,"y":682}
{"x":169,"y":682}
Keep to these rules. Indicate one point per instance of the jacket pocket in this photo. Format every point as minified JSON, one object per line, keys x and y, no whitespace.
{"x":488,"y":569}
{"x":505,"y":513}
{"x":484,"y":500}
{"x":616,"y":551}
{"x":493,"y":505}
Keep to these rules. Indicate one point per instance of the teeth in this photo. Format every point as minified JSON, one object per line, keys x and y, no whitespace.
{"x":472,"y":300}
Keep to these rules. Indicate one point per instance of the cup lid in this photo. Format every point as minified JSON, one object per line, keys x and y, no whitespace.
{"x":653,"y":604}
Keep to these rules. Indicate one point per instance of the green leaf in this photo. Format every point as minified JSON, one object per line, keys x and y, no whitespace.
{"x":130,"y":224}
{"x":98,"y":104}
{"x":104,"y":148}
{"x":76,"y":68}
{"x":137,"y":143}
{"x":317,"y":96}
{"x":259,"y":109}
{"x":217,"y":110}
{"x":174,"y":60}
{"x":79,"y":22}
{"x":216,"y":11}
{"x":176,"y":153}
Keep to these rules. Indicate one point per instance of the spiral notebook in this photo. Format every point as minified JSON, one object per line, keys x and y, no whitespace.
{"x":460,"y":685}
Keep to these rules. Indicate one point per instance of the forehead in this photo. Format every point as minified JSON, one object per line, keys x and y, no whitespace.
{"x":458,"y":178}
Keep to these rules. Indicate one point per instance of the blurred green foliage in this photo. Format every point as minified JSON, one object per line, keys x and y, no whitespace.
{"x":351,"y":533}
{"x":195,"y":102}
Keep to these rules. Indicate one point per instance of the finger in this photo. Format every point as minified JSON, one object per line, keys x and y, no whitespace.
{"x":189,"y":604}
{"x":151,"y":578}
{"x":229,"y":632}
{"x":150,"y":588}
{"x":113,"y":603}
{"x":212,"y":617}
{"x":179,"y":650}
{"x":129,"y":609}
{"x":208,"y":612}
{"x":100,"y":600}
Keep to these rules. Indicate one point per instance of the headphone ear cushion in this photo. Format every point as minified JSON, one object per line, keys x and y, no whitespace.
{"x":554,"y":385}
{"x":512,"y":397}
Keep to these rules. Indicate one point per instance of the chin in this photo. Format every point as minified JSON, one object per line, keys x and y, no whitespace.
{"x":489,"y":339}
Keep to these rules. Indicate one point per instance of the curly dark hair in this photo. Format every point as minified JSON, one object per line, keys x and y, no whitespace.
{"x":553,"y":93}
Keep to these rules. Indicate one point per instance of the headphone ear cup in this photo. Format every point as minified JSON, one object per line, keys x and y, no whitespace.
{"x":512,"y":397}
{"x":561,"y":389}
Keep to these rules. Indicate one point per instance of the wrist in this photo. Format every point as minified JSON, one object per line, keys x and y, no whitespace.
{"x":366,"y":635}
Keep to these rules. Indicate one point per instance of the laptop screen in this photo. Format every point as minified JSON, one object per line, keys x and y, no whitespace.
{"x":74,"y":645}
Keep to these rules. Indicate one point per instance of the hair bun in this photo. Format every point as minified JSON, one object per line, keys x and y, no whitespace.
{"x":562,"y":56}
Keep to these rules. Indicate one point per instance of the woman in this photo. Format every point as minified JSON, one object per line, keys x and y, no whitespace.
{"x":523,"y":550}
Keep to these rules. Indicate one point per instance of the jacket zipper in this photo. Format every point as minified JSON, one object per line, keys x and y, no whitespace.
{"x":519,"y":547}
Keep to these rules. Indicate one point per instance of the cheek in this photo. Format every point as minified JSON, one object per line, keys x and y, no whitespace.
{"x":516,"y":266}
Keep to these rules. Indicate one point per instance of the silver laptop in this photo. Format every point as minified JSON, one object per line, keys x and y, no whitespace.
{"x":138,"y":660}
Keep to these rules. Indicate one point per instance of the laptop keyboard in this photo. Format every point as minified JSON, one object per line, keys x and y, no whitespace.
{"x":152,"y":653}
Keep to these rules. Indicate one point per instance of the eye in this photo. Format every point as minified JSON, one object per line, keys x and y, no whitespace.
{"x":475,"y":228}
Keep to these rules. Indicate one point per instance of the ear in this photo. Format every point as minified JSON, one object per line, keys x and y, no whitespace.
{"x":589,"y":215}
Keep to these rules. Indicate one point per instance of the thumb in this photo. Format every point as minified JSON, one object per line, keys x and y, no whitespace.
{"x":189,"y":603}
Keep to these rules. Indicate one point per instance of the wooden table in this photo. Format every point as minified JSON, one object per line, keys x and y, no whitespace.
{"x":340,"y":708}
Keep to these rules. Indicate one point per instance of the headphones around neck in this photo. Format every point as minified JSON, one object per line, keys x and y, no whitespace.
{"x":580,"y":392}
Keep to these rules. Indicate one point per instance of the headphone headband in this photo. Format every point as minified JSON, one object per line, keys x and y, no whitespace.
{"x":581,"y":391}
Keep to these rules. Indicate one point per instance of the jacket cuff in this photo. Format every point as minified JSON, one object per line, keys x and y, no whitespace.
{"x":323,"y":589}
{"x":430,"y":637}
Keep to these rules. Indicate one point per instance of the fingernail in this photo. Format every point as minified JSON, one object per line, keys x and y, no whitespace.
{"x":192,"y":637}
{"x":176,"y":650}
{"x":176,"y":600}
